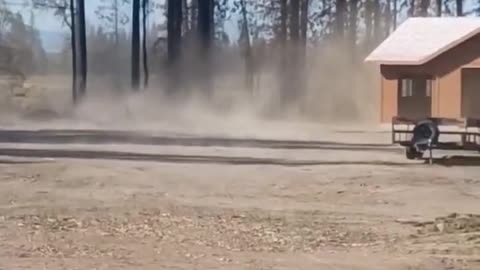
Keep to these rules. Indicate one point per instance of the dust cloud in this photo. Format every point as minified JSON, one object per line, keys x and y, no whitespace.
{"x":336,"y":91}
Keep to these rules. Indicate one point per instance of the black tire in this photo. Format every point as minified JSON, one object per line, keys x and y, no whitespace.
{"x":411,"y":153}
{"x":426,"y":129}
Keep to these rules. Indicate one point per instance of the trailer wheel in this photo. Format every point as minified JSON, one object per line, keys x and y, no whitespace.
{"x":425,"y":130}
{"x":411,"y":153}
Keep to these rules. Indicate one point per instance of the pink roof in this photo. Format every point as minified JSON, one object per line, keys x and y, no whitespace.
{"x":419,"y":40}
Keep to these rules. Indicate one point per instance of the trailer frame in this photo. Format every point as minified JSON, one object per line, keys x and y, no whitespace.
{"x":468,"y":129}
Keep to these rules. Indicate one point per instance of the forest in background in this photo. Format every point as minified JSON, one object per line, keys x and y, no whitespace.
{"x":291,"y":56}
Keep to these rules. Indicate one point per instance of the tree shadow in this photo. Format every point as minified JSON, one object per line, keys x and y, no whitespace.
{"x":128,"y":137}
{"x":362,"y":131}
{"x":129,"y":156}
{"x":450,"y":161}
{"x":18,"y":162}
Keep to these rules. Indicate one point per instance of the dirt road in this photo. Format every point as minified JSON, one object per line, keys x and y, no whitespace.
{"x":69,"y":200}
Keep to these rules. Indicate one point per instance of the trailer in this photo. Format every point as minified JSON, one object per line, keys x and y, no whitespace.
{"x":418,"y":136}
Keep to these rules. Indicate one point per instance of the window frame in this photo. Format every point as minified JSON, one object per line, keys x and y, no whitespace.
{"x":407,"y":85}
{"x":428,"y":87}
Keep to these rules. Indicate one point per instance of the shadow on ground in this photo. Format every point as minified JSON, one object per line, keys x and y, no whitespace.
{"x":449,"y":161}
{"x":114,"y":155}
{"x":128,"y":137}
{"x":14,"y":162}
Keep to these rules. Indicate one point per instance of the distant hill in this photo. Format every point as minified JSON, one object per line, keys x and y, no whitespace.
{"x":53,"y":42}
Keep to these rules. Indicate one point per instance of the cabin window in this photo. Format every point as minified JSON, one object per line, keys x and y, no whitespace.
{"x":428,"y":90}
{"x":418,"y":85}
{"x":407,"y":87}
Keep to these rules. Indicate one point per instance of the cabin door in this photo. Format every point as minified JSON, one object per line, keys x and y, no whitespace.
{"x":415,"y":98}
{"x":471,"y":92}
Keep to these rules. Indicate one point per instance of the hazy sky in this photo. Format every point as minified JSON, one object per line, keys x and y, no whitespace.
{"x":46,"y":21}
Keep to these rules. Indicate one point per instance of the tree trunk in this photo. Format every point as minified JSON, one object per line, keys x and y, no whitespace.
{"x":144,"y":44}
{"x":353,"y":28}
{"x":211,"y":13}
{"x":292,"y":83}
{"x":377,"y":23}
{"x":459,"y":7}
{"x":283,"y":54}
{"x":247,"y":49}
{"x":205,"y":34}
{"x":294,"y":21}
{"x":304,"y":9}
{"x":411,"y":8}
{"x":283,"y":22}
{"x":304,"y":22}
{"x":388,"y":18}
{"x":395,"y":13}
{"x":424,"y":5}
{"x":340,"y":19}
{"x":439,"y":4}
{"x":174,"y":29}
{"x":186,"y":17}
{"x":302,"y":50}
{"x":135,"y":57}
{"x":193,"y":15}
{"x":115,"y":22}
{"x":73,"y":44}
{"x":204,"y":24}
{"x":83,"y":47}
{"x":368,"y":24}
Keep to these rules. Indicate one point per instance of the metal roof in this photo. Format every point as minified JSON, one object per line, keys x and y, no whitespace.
{"x":420,"y":39}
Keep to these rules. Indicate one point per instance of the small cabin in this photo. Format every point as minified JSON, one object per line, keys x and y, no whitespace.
{"x":430,"y":67}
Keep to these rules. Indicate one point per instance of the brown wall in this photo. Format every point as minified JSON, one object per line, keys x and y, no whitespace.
{"x":446,"y":69}
{"x":389,"y":95}
{"x":448,"y":95}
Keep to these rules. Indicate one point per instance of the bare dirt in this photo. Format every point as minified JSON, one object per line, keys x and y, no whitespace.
{"x":343,"y":200}
{"x":139,"y":185}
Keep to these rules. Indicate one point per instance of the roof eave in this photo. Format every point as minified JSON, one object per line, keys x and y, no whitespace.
{"x":394,"y":62}
{"x":425,"y":59}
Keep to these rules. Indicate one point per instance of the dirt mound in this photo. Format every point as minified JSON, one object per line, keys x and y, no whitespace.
{"x":454,"y":223}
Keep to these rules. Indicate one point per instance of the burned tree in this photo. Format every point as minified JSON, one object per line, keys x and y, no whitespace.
{"x":424,"y":5}
{"x":352,"y":34}
{"x":304,"y":21}
{"x":246,"y":46}
{"x":340,"y":18}
{"x":459,"y":6}
{"x":174,"y":32}
{"x":439,"y":4}
{"x":144,"y":43}
{"x":205,"y":31}
{"x":82,"y":44}
{"x":73,"y":44}
{"x":66,"y":10}
{"x":135,"y":54}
